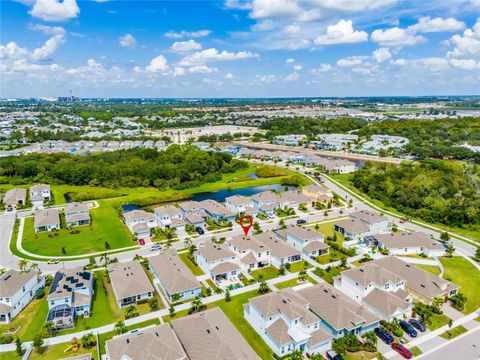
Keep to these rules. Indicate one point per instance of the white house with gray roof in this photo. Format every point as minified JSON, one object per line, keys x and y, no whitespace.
{"x":17,"y":289}
{"x":130,"y":283}
{"x":46,"y":220}
{"x":280,"y":252}
{"x":362,"y":223}
{"x":305,"y":239}
{"x":169,"y":216}
{"x":77,"y":214}
{"x":253,"y":255}
{"x":409,"y":243}
{"x":140,"y":222}
{"x":173,"y":276}
{"x":42,"y":191}
{"x":240,"y":205}
{"x":284,"y":321}
{"x":218,"y":261}
{"x":216,"y":211}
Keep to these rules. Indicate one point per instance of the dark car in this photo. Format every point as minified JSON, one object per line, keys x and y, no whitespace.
{"x":301,"y":221}
{"x":417,"y":325}
{"x":408,"y":328}
{"x":384,"y":336}
{"x":141,"y":241}
{"x":199,"y":230}
{"x":332,"y":355}
{"x":402,"y":350}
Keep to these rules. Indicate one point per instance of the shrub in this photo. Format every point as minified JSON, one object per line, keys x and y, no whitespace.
{"x":6,"y":339}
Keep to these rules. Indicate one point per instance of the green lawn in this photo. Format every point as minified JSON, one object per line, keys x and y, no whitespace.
{"x":415,"y":351}
{"x":58,"y":352}
{"x":268,"y":273}
{"x":212,"y":285}
{"x":299,"y":266}
{"x":437,"y":321}
{"x":463,"y":273}
{"x":333,"y":255}
{"x":293,"y":282}
{"x":106,"y":227}
{"x":195,"y":269}
{"x":454,"y":332}
{"x":430,"y":268}
{"x":361,"y":355}
{"x":11,"y":355}
{"x":327,"y":230}
{"x":107,"y":336}
{"x":329,"y":275}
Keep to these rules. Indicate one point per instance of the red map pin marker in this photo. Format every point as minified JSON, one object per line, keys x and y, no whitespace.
{"x":246,"y":223}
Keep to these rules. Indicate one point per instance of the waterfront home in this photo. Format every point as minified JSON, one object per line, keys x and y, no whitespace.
{"x":293,"y":199}
{"x":240,"y":205}
{"x":305,"y":239}
{"x":169,"y":216}
{"x":139,"y":222}
{"x":253,"y":254}
{"x":338,"y":313}
{"x":152,"y":342}
{"x":13,"y":198}
{"x":218,"y":262}
{"x":191,"y":208}
{"x":70,"y":296}
{"x":211,"y":335}
{"x":129,"y":282}
{"x":77,"y":214}
{"x":408,"y":243}
{"x":265,"y":202}
{"x":17,"y":289}
{"x":318,"y":193}
{"x":280,"y":252}
{"x":284,"y":321}
{"x":173,"y":276}
{"x":46,"y":220}
{"x":216,"y":211}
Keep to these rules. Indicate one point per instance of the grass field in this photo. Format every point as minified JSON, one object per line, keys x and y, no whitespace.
{"x":195,"y":269}
{"x":463,"y":273}
{"x":454,"y":332}
{"x":430,"y":268}
{"x":437,"y":321}
{"x":415,"y":351}
{"x":58,"y":352}
{"x":293,"y":283}
{"x":268,"y":273}
{"x":333,"y":255}
{"x":299,"y":266}
{"x":327,"y":230}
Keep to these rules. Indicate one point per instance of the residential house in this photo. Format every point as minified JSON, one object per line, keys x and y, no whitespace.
{"x":293,"y":199}
{"x":422,"y":285}
{"x":409,"y":243}
{"x":169,"y":216}
{"x":211,"y":335}
{"x":265,"y":202}
{"x":129,"y":282}
{"x":77,"y":214}
{"x":70,"y":296}
{"x":46,"y":220}
{"x":174,"y":277}
{"x":338,"y":313}
{"x":140,"y":222}
{"x":362,"y":223}
{"x":284,"y":321}
{"x":337,"y":166}
{"x":40,"y":191}
{"x":376,"y":222}
{"x":17,"y":289}
{"x":218,"y":262}
{"x":13,"y":198}
{"x":240,"y":205}
{"x":353,"y":229}
{"x":318,"y":194}
{"x":305,"y":239}
{"x":335,"y":142}
{"x":192,"y":208}
{"x":289,"y":140}
{"x":253,"y":254}
{"x":280,"y":252}
{"x":153,"y":342}
{"x":216,"y":211}
{"x":377,"y":288}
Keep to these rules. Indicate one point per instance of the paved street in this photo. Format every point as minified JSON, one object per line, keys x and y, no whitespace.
{"x":466,"y":347}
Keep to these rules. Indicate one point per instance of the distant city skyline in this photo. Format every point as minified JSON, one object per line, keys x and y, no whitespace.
{"x":230,"y":49}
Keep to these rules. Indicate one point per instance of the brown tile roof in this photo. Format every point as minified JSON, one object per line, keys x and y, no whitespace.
{"x":212,"y":251}
{"x":353,"y":226}
{"x":408,"y":239}
{"x":368,"y":216}
{"x":13,"y":280}
{"x":278,"y":331}
{"x":129,"y":279}
{"x":385,"y":302}
{"x":46,"y":217}
{"x":277,"y":247}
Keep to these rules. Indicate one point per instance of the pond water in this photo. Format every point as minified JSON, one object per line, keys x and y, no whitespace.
{"x":252,"y":176}
{"x":220,"y":195}
{"x":126,"y":208}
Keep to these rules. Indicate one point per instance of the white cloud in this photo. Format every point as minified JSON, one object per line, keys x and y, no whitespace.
{"x":291,"y":29}
{"x":201,"y":69}
{"x":185,"y":46}
{"x":341,"y":33}
{"x":48,"y":30}
{"x":229,"y":76}
{"x":382,"y":54}
{"x":238,"y":4}
{"x":127,"y":41}
{"x":54,"y":10}
{"x":178,"y":71}
{"x":290,"y":60}
{"x":91,"y":67}
{"x":50,"y":46}
{"x":266,"y":78}
{"x":427,"y":25}
{"x":467,"y":44}
{"x":297,"y":67}
{"x":396,"y":37}
{"x":212,"y":82}
{"x":292,"y":77}
{"x":464,"y":64}
{"x":323,"y":68}
{"x":351,"y":61}
{"x":212,"y":54}
{"x":399,"y":62}
{"x":12,"y":51}
{"x":158,"y":65}
{"x":184,"y":34}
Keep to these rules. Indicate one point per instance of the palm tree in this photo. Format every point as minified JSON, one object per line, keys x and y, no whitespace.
{"x":22,"y":264}
{"x":120,"y":327}
{"x":437,"y":302}
{"x":263,"y":289}
{"x":34,"y":266}
{"x":176,"y":297}
{"x":104,"y":258}
{"x":302,"y":275}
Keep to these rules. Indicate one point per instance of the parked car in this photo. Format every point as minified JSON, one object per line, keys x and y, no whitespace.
{"x":301,"y":221}
{"x":53,"y":261}
{"x":199,"y":230}
{"x":141,"y":242}
{"x":332,"y":355}
{"x":409,"y":329}
{"x":402,"y":350}
{"x":417,"y":325}
{"x":384,"y":336}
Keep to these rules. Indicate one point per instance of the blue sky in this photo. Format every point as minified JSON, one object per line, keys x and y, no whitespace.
{"x":259,"y":48}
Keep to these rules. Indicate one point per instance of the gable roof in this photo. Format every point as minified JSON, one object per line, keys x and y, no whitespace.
{"x":173,"y":273}
{"x":128,"y":279}
{"x":278,"y":248}
{"x":385,"y":302}
{"x":13,"y":280}
{"x":167,"y":210}
{"x":46,"y":217}
{"x":212,"y":251}
{"x":354,"y":226}
{"x":408,"y":239}
{"x":66,"y":281}
{"x":368,"y":216}
{"x":210,"y":335}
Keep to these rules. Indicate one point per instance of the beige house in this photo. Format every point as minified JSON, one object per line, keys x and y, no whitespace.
{"x":318,"y":193}
{"x":153,"y":342}
{"x":211,"y":335}
{"x":77,"y":214}
{"x":130,"y":283}
{"x":47,"y":220}
{"x":15,"y":197}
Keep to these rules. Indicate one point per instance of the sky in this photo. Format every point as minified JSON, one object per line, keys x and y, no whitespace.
{"x":233,"y":48}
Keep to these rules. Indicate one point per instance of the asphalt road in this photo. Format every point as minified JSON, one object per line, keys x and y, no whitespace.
{"x":465,"y":348}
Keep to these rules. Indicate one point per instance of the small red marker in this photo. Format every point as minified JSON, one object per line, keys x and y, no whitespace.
{"x":246,"y":223}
